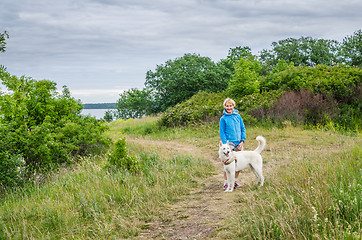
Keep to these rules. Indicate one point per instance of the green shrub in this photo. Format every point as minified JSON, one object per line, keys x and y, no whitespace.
{"x":200,"y":108}
{"x":258,"y":101}
{"x":11,"y":167}
{"x":246,"y":78}
{"x":208,"y":107}
{"x":336,"y":95}
{"x":337,"y":81}
{"x":124,"y":159}
{"x":45,"y":127}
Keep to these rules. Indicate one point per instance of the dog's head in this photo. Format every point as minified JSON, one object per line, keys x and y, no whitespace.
{"x":225,"y":152}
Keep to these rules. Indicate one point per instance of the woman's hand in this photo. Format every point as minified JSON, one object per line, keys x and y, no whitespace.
{"x":240,"y":146}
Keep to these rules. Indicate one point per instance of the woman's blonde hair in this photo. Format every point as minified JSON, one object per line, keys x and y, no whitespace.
{"x":230,"y":101}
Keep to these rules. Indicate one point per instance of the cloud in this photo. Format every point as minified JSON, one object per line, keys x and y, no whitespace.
{"x":110,"y":44}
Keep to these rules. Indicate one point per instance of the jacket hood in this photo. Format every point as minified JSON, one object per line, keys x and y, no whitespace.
{"x":234,"y":112}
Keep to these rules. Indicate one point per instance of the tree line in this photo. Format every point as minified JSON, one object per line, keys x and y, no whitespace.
{"x":99,"y":105}
{"x":240,"y":73}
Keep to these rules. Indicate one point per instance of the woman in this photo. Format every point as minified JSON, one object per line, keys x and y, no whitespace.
{"x":232,"y":129}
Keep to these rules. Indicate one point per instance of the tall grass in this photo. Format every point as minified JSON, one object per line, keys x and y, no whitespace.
{"x":91,"y":201}
{"x":143,"y":126}
{"x":317,"y":195}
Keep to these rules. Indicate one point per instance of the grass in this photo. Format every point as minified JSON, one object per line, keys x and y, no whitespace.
{"x":93,"y":201}
{"x":312,"y":189}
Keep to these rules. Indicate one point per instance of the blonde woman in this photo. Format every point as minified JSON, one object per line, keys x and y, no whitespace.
{"x":232,"y":129}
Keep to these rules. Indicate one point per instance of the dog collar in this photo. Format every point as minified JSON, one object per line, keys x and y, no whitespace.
{"x":227,"y":162}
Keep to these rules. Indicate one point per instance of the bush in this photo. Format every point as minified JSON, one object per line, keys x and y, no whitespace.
{"x":44,"y":127}
{"x":338,"y":81}
{"x":202,"y":107}
{"x":258,"y":101}
{"x":11,"y":167}
{"x":208,"y":107}
{"x":246,"y":78}
{"x":334,"y":95}
{"x":123,"y":159}
{"x":300,"y":107}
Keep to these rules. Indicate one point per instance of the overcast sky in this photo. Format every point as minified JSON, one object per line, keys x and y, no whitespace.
{"x":100,"y":48}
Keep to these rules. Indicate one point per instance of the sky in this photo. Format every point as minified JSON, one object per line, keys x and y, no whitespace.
{"x":100,"y":48}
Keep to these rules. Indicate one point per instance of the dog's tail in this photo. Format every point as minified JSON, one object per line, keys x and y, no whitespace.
{"x":262,"y":143}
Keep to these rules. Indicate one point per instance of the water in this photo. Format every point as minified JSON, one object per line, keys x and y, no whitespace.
{"x":97,"y":113}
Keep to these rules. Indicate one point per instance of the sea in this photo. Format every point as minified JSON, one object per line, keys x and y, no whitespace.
{"x":97,"y":113}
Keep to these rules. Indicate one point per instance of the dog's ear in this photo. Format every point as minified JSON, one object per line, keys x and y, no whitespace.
{"x":227,"y":142}
{"x":220,"y":143}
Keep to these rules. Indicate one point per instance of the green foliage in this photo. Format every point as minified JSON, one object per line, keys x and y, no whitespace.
{"x":316,"y":95}
{"x":254,"y":101}
{"x":304,"y":51}
{"x":133,"y":103}
{"x":351,"y":49}
{"x":338,"y":81}
{"x":200,"y":108}
{"x":3,"y":37}
{"x":11,"y":167}
{"x":234,"y":56}
{"x":123,"y":159}
{"x":336,"y":90}
{"x":44,"y":127}
{"x":178,"y":80}
{"x":246,"y":78}
{"x":108,"y":116}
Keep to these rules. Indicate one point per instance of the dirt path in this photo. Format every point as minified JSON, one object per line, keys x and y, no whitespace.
{"x":205,"y":209}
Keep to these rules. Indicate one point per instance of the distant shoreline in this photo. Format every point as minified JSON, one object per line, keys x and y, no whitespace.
{"x":99,"y":105}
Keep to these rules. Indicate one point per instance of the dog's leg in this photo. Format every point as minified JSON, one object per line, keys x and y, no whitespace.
{"x":261,"y":180}
{"x":258,"y":171}
{"x":230,"y":174}
{"x":259,"y":176}
{"x":231,"y":183}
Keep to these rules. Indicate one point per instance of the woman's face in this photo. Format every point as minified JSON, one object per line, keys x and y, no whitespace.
{"x":229,"y":107}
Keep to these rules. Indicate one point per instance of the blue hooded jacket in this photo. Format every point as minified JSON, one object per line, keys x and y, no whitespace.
{"x":232,"y":128}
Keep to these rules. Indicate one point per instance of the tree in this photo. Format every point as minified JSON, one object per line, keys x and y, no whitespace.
{"x":304,"y":51}
{"x":178,"y":80}
{"x":43,"y":129}
{"x":351,"y":49}
{"x":3,"y":36}
{"x":108,"y":116}
{"x":236,"y":53}
{"x":133,"y":103}
{"x":246,"y":78}
{"x":232,"y":58}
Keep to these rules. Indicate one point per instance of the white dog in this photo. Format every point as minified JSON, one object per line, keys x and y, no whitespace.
{"x":237,"y":161}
